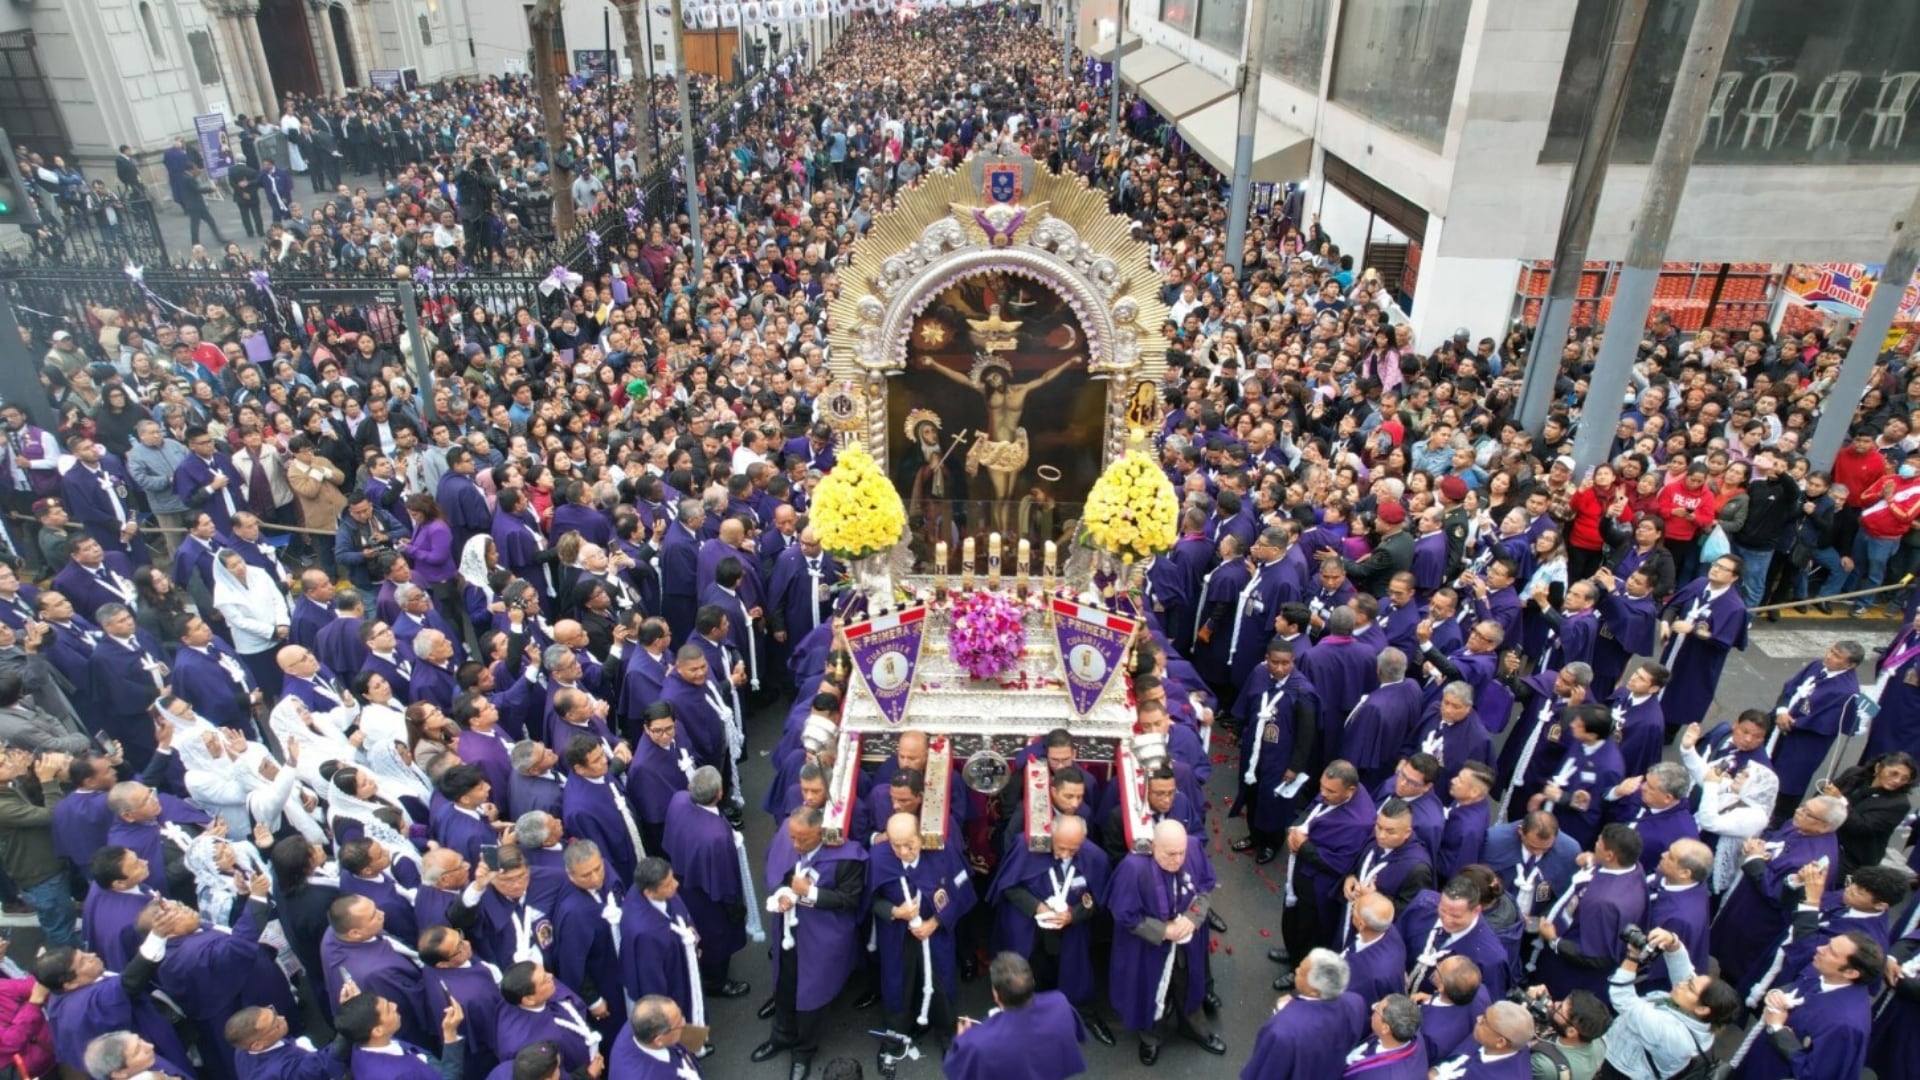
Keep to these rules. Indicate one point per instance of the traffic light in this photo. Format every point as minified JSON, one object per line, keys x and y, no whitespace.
{"x":17,"y":206}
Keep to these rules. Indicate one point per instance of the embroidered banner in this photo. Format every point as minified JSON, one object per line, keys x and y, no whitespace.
{"x":886,"y":654}
{"x":1092,"y":645}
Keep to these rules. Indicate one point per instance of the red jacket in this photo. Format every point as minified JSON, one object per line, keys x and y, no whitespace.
{"x":1859,"y":472}
{"x":1676,"y":497}
{"x":1590,"y":507}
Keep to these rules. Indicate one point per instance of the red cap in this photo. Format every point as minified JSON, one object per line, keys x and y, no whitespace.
{"x":1391,"y":513}
{"x":1452,"y":488}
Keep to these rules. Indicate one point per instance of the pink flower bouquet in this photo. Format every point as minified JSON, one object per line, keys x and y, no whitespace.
{"x":986,"y":636}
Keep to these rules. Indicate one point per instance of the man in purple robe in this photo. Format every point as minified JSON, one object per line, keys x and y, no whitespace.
{"x":708,"y":858}
{"x":816,"y":893}
{"x":1578,"y":789}
{"x":1276,"y":713}
{"x":1326,"y":844}
{"x":1214,"y":620}
{"x":1376,"y":953}
{"x":1412,"y":781}
{"x":1629,"y":625}
{"x":1174,"y":579}
{"x":1704,"y":621}
{"x":117,"y":894}
{"x":1269,"y":586}
{"x":1448,"y":1016}
{"x":1861,"y":906}
{"x":1395,"y":1051}
{"x":356,"y":950}
{"x":1463,"y":828}
{"x":659,"y":944}
{"x":1813,"y":708}
{"x":1655,"y":804}
{"x":1446,"y":735}
{"x":498,"y":916}
{"x":1896,"y":1032}
{"x":1492,"y":598}
{"x":661,"y":768}
{"x":1542,"y":735}
{"x":701,"y":711}
{"x":367,"y":869}
{"x":1576,"y":626}
{"x":206,"y":480}
{"x":1756,"y":911}
{"x":1160,"y":901}
{"x":1381,"y":721}
{"x":1401,"y":612}
{"x":594,"y":808}
{"x":679,"y":568}
{"x":1679,"y":902}
{"x":89,"y":1001}
{"x":1311,"y":1028}
{"x":1394,"y":865}
{"x":1045,"y":905}
{"x":460,"y":821}
{"x":1343,"y":671}
{"x":539,"y":1008}
{"x":453,"y":973}
{"x":125,"y":675}
{"x":917,"y":897}
{"x":535,"y":785}
{"x":1476,"y":663}
{"x":1579,"y":944}
{"x":1024,"y":1035}
{"x":1818,"y":1028}
{"x":799,"y":597}
{"x":586,"y":944}
{"x":1498,"y":1048}
{"x":1458,"y":932}
{"x":1533,"y":859}
{"x":264,"y":1048}
{"x":648,"y":1046}
{"x":210,"y":972}
{"x":737,"y":629}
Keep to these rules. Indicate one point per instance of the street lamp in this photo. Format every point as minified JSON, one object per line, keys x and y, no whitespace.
{"x":773,"y":37}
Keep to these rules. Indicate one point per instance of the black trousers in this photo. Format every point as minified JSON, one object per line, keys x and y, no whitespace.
{"x":1193,"y":1025}
{"x":794,"y":1029}
{"x":1300,"y":925}
{"x":195,"y":215}
{"x":941,"y":1018}
{"x":250,"y":215}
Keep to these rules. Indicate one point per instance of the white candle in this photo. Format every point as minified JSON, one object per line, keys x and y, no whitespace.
{"x":966,"y":563}
{"x":940,"y":565}
{"x":1023,"y":563}
{"x":993,"y":560}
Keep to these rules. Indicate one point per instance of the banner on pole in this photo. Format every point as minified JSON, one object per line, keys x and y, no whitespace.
{"x":1092,"y":645}
{"x":216,"y":152}
{"x":886,"y":655}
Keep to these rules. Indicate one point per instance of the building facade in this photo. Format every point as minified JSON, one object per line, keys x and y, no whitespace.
{"x":1447,"y":128}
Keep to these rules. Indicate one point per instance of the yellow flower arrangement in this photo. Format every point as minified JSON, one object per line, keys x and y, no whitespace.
{"x":856,"y":510}
{"x":1132,"y":511}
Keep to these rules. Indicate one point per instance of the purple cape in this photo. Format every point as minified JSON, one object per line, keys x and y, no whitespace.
{"x":1606,"y":904}
{"x":652,"y":958}
{"x":699,"y":844}
{"x":934,"y":873}
{"x":1696,"y":666}
{"x":1833,"y":1028}
{"x":825,"y":947}
{"x":518,"y":1026}
{"x":1817,"y":720}
{"x":1014,"y":930}
{"x":1307,"y":1039}
{"x":1028,"y":1043}
{"x":1626,"y":630}
{"x":1338,"y":836}
{"x":477,"y":987}
{"x":1139,"y":890}
{"x":1750,"y":917}
{"x":591,"y":812}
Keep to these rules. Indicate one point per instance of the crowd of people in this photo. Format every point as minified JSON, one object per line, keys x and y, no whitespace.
{"x":415,"y":719}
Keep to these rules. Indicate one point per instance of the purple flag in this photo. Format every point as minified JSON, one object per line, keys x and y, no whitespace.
{"x":1092,"y":644}
{"x":886,"y":653}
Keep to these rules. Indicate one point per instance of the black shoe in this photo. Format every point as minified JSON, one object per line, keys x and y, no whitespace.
{"x":1823,"y":608}
{"x":1211,"y":1003}
{"x":1245,"y":843}
{"x":866,"y":1000}
{"x":1773,"y":616}
{"x":732,"y":988}
{"x":765,"y":1011}
{"x":1284,"y":982}
{"x":1213,"y":1044}
{"x":767,"y":1050}
{"x":1278,"y":956}
{"x":1214,"y":920}
{"x":706,"y":1051}
{"x":1101,"y":1031}
{"x":1266,"y":856}
{"x":800,"y":1071}
{"x":1149,"y":1054}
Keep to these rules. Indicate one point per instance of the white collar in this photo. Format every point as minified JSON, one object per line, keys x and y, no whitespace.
{"x":657,"y":1055}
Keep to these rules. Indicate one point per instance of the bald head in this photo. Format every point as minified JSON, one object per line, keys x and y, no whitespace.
{"x":732,"y":532}
{"x":902,"y":827}
{"x":1509,"y":1028}
{"x":1374,"y":913}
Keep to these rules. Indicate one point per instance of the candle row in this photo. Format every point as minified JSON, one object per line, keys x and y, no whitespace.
{"x":1023,"y":561}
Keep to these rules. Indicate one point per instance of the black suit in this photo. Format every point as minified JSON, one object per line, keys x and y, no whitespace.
{"x":128,"y":171}
{"x":245,"y":181}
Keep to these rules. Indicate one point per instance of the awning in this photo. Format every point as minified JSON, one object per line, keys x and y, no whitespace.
{"x":1139,"y":66}
{"x":1181,"y":91}
{"x":1280,"y":153}
{"x":1103,"y":51}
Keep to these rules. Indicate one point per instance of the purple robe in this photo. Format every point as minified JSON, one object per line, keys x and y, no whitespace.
{"x":1338,"y":835}
{"x":379,"y":967}
{"x":1751,"y":917}
{"x":1041,"y":1040}
{"x":506,"y":931}
{"x":1501,"y":606}
{"x":1626,"y":630}
{"x":1173,"y":583}
{"x":697,"y":721}
{"x":941,"y":883}
{"x":1537,"y":742}
{"x":1282,"y":727}
{"x":1820,"y":703}
{"x":1429,"y":563}
{"x":1256,"y":606}
{"x":490,"y":752}
{"x":591,"y":810}
{"x":793,"y":593}
{"x":1793,"y":957}
{"x":1472,"y":1063}
{"x":1453,"y":745}
{"x":656,"y":776}
{"x":1401,"y":625}
{"x":556,"y":1022}
{"x":825,"y":943}
{"x":412,"y":1063}
{"x":1572,"y":640}
{"x":1696,"y":660}
{"x":1640,"y":730}
{"x":544,"y":792}
{"x":464,"y":832}
{"x":1428,"y":943}
{"x":1407,"y":1062}
{"x":1492,"y":701}
{"x":715,"y":552}
{"x":1219,"y":596}
{"x":1590,"y":925}
{"x":385,"y":893}
{"x":1399,"y":874}
{"x":653,"y":959}
{"x":522,"y":551}
{"x":1595,"y":770}
{"x":1833,"y":1029}
{"x":1463,"y":833}
{"x":1140,"y":890}
{"x":1308,"y":1039}
{"x":1342,"y":671}
{"x":1897,"y":727}
{"x":1025,"y":880}
{"x":640,"y":685}
{"x":105,"y":1005}
{"x":700,"y":845}
{"x":1444,"y":1026}
{"x":338,"y":644}
{"x":109,"y":917}
{"x":586,"y":951}
{"x":628,"y":1061}
{"x":1377,"y":728}
{"x":1379,"y":969}
{"x":476,"y":985}
{"x":1687,"y":912}
{"x":1658,"y":829}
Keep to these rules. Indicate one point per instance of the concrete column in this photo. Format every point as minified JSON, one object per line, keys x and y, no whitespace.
{"x":320,"y":24}
{"x":257,"y":58}
{"x":1864,"y":356}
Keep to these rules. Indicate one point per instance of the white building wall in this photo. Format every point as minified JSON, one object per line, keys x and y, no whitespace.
{"x":500,"y":32}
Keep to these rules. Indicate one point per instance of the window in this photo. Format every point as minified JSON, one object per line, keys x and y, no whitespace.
{"x":1297,"y":40}
{"x":1852,"y":65}
{"x":205,"y":62}
{"x":1223,"y":24}
{"x":1178,"y":14}
{"x":426,"y":31}
{"x":1396,"y":61}
{"x":152,"y":27}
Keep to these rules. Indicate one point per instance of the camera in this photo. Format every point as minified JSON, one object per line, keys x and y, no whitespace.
{"x":1540,"y":1009}
{"x":1635,"y":940}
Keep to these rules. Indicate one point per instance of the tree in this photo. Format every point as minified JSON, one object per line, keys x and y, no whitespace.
{"x":640,"y":56}
{"x":543,"y":22}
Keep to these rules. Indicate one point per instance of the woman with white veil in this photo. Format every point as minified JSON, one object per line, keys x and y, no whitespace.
{"x":256,"y":611}
{"x":479,"y":569}
{"x":216,"y":864}
{"x":357,"y":807}
{"x":381,"y":718}
{"x":239,"y":782}
{"x":400,"y":780}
